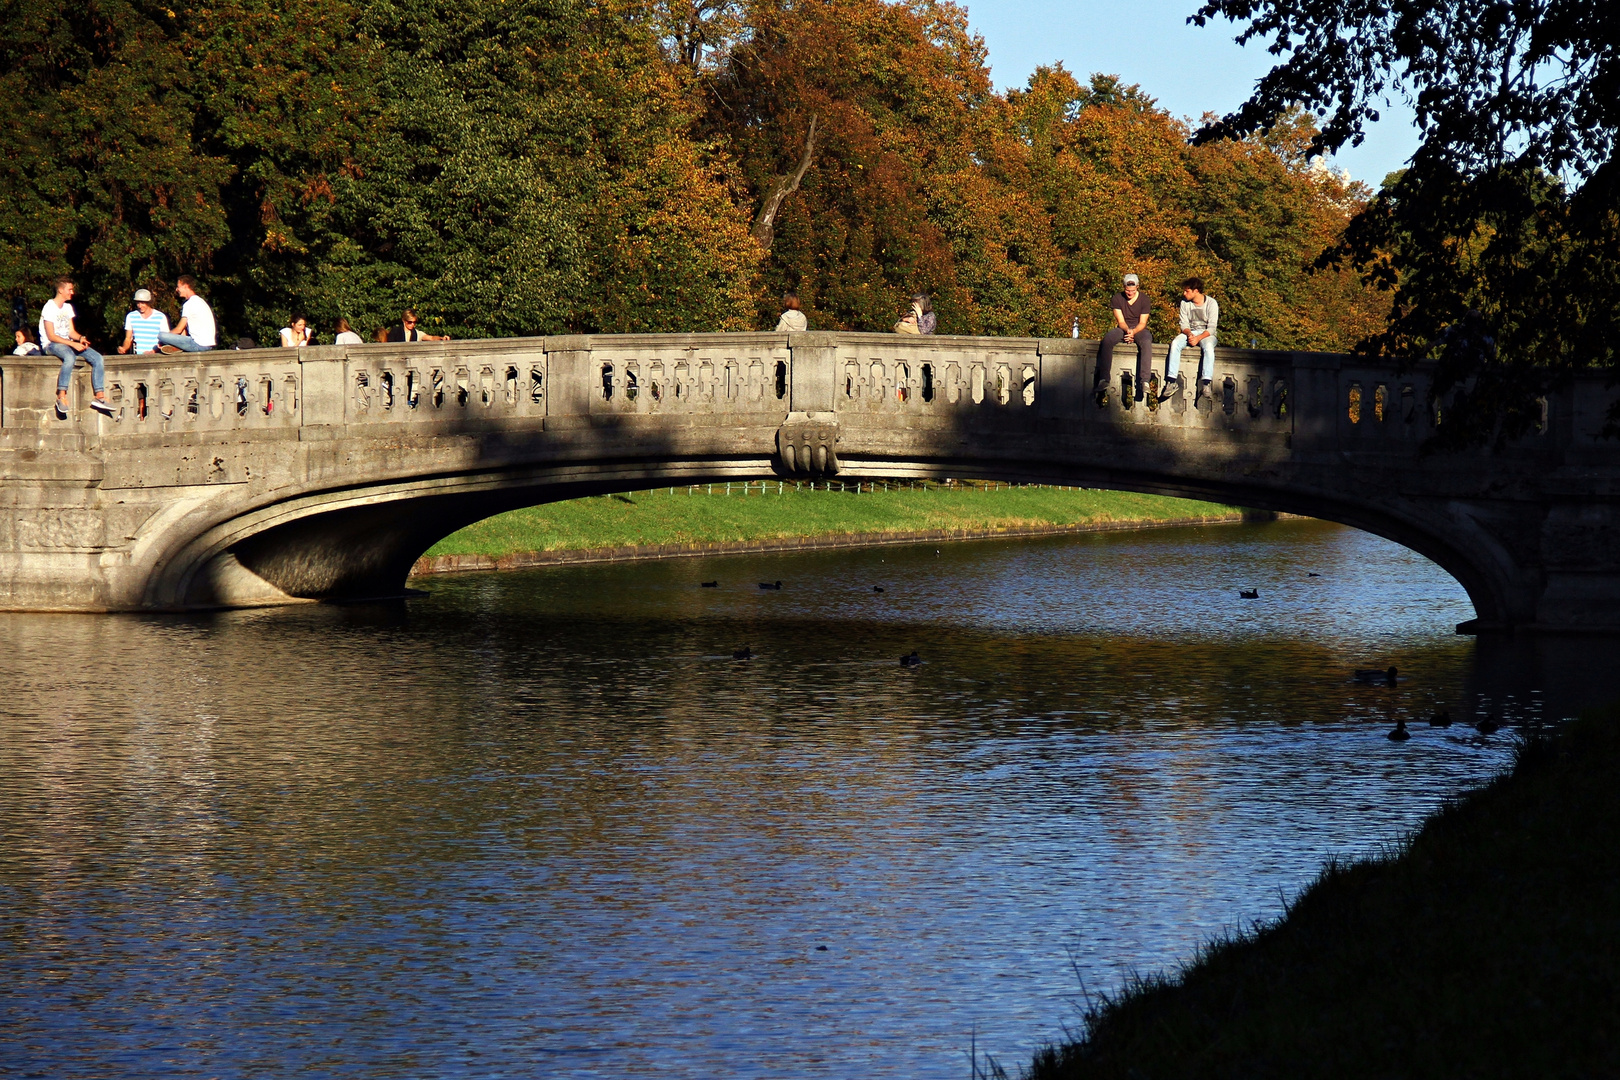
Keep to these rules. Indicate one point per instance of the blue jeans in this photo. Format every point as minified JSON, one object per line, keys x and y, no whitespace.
{"x":1206,"y":363}
{"x":183,"y":342}
{"x":69,"y":356}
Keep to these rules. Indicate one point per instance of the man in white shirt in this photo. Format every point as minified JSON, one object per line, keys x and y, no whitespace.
{"x":195,"y":332}
{"x":143,"y":325}
{"x":1199,"y":314}
{"x":63,"y":340}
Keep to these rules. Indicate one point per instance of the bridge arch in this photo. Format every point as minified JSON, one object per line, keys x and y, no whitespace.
{"x":361,"y":543}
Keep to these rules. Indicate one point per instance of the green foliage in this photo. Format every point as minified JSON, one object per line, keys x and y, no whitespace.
{"x":1500,"y":244}
{"x":100,"y":175}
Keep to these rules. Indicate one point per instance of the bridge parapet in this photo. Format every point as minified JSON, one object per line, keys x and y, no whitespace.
{"x":1011,"y":383}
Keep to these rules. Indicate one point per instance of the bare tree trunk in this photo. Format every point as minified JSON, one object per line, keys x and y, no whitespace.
{"x":765,"y":224}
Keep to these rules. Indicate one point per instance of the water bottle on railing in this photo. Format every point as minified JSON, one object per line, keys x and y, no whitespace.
{"x":1074,"y":327}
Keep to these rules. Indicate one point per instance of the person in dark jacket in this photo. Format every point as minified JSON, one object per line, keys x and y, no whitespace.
{"x":405,"y":330}
{"x":1130,"y":307}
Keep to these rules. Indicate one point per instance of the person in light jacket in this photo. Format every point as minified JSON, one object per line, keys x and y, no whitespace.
{"x":1199,"y":314}
{"x":792,"y":320}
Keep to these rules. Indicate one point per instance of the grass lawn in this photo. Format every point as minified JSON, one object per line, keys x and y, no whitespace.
{"x":1488,"y":946}
{"x":707,"y":514}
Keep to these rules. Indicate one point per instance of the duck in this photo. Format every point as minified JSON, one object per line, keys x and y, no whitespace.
{"x":1249,"y":594}
{"x":877,"y":588}
{"x":744,"y":653}
{"x":911,"y":659}
{"x":1400,"y":734}
{"x":769,"y":585}
{"x":711,"y":584}
{"x":1440,"y":719}
{"x":1374,"y":677}
{"x":1489,"y":725}
{"x":1313,"y":575}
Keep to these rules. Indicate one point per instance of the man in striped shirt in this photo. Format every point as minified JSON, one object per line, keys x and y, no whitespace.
{"x":143,"y":325}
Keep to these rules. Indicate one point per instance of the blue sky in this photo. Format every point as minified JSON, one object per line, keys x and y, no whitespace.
{"x":1190,"y":70}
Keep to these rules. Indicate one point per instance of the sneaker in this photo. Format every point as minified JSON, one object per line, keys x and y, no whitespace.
{"x":1171,"y":388}
{"x":1206,"y":397}
{"x":1100,"y":392}
{"x":1141,"y":389}
{"x":101,"y":406}
{"x":61,"y":410}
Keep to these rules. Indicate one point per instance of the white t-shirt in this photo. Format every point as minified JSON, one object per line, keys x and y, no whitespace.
{"x":199,"y":321}
{"x":348,"y":337}
{"x":58,"y":315}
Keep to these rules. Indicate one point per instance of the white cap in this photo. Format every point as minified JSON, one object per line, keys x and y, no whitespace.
{"x":1131,"y":279}
{"x":142,"y":296}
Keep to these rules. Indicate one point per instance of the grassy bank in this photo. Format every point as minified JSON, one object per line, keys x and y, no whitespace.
{"x":710,"y":514}
{"x":1488,"y":946}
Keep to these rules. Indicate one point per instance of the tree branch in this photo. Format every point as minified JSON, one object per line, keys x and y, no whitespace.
{"x":764,"y":230}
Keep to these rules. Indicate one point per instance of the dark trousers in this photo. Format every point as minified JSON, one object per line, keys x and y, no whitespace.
{"x":1144,"y":355}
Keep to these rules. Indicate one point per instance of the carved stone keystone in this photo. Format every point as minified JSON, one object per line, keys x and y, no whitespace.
{"x":807,"y":444}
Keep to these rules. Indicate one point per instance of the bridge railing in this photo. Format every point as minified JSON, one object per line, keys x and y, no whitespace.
{"x":869,"y":381}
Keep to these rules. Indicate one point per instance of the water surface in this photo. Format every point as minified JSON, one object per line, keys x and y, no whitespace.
{"x":544,"y":824}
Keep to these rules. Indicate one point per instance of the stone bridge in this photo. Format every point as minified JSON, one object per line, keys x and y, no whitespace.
{"x":243,"y":478}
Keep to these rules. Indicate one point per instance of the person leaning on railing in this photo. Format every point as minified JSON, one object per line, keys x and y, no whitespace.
{"x":296,"y":334}
{"x":63,"y":340}
{"x":405,"y":330}
{"x":793,"y":320}
{"x":919,"y":318}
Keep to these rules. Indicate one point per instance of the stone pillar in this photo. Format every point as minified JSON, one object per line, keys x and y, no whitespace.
{"x":813,"y":372}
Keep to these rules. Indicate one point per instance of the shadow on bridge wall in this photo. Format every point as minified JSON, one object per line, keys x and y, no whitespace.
{"x":261,"y":477}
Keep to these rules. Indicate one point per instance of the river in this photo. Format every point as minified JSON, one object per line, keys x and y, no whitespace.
{"x":544,"y":824}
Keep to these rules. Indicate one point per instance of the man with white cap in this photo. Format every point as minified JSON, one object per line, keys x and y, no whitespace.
{"x":1130,"y":308}
{"x":143,"y":325}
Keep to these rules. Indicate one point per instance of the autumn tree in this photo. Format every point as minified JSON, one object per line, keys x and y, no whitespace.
{"x":908,"y":190}
{"x":1126,"y":193}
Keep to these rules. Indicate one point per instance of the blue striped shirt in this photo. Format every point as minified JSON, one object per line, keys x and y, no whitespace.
{"x":146,"y":330}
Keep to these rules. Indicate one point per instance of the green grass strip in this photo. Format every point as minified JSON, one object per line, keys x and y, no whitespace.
{"x":708,"y":514}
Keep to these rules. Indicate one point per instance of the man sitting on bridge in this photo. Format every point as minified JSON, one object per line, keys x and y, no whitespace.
{"x":1130,"y":326}
{"x":63,"y":340}
{"x":143,"y":325}
{"x":195,"y":332}
{"x":1198,"y":317}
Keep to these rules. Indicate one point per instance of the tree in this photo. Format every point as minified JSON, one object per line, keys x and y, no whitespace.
{"x":534,"y":174}
{"x":1500,"y":244}
{"x":100,"y":176}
